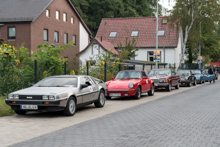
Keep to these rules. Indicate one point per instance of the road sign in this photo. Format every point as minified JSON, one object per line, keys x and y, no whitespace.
{"x":156,"y":59}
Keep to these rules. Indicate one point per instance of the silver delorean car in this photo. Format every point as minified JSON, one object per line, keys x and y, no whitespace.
{"x":59,"y":93}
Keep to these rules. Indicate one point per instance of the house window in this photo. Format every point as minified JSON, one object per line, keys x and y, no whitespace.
{"x":161,"y":33}
{"x":56,"y":37}
{"x":57,"y":15}
{"x":47,"y":13}
{"x":134,"y":33}
{"x":11,"y":33}
{"x":72,"y":20}
{"x":150,"y":56}
{"x":65,"y":38}
{"x":164,"y":21}
{"x":95,"y":49}
{"x":74,"y":39}
{"x":112,"y":34}
{"x":45,"y":35}
{"x":64,"y":17}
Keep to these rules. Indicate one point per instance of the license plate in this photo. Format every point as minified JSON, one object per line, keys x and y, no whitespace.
{"x":156,"y":84}
{"x":115,"y":94}
{"x":30,"y":107}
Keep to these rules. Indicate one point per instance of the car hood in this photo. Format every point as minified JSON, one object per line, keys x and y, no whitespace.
{"x":158,"y":76}
{"x":42,"y":90}
{"x":121,"y":83}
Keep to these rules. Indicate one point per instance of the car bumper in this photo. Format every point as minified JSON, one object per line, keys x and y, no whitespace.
{"x":185,"y":82}
{"x":121,"y":93}
{"x":160,"y":85}
{"x":42,"y":105}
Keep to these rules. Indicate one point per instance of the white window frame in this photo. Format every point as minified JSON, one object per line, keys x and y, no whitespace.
{"x":74,"y":39}
{"x":47,"y":13}
{"x":149,"y":56}
{"x":46,"y":37}
{"x":56,"y":37}
{"x":12,"y":35}
{"x":65,"y":38}
{"x":134,"y":33}
{"x":113,"y":34}
{"x":72,"y":20}
{"x":161,"y":33}
{"x":57,"y":15}
{"x":64,"y":17}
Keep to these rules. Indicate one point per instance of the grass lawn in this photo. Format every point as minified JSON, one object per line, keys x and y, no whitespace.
{"x":5,"y":110}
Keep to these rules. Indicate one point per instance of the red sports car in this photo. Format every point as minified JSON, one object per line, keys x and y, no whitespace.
{"x":130,"y":83}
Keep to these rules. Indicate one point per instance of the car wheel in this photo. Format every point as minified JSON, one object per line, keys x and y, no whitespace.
{"x":151,"y":92}
{"x":138,"y":93}
{"x":177,"y":86}
{"x":168,"y":88}
{"x":194,"y":84}
{"x":20,"y":112}
{"x":108,"y":97}
{"x":189,"y":85}
{"x":101,"y":100}
{"x":70,"y":107}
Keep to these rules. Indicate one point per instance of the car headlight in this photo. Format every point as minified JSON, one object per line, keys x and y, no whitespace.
{"x":12,"y":96}
{"x":51,"y":97}
{"x":163,"y":80}
{"x":131,"y":85}
{"x":45,"y":97}
{"x":186,"y":78}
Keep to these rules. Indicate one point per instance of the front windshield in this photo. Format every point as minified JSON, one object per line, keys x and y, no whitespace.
{"x":205,"y":71}
{"x":160,"y":72}
{"x":128,"y":75}
{"x":57,"y":82}
{"x":183,"y":72}
{"x":196,"y":71}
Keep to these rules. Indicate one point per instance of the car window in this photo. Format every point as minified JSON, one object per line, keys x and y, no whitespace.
{"x":57,"y":82}
{"x":128,"y":75}
{"x":160,"y":72}
{"x":183,"y":72}
{"x":173,"y":72}
{"x":86,"y":80}
{"x":97,"y":81}
{"x":144,"y":74}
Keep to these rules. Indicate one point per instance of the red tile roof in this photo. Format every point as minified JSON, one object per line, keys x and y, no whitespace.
{"x":106,"y":45}
{"x":147,"y":31}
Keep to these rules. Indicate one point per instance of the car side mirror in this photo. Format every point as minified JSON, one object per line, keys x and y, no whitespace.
{"x":113,"y":78}
{"x":83,"y":86}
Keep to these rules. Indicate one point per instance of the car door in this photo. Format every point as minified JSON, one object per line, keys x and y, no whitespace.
{"x":88,"y":93}
{"x":174,"y":77}
{"x":145,"y":82}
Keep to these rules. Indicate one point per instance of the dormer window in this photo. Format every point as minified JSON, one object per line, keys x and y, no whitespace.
{"x":134,"y":33}
{"x":161,"y":33}
{"x":113,"y":34}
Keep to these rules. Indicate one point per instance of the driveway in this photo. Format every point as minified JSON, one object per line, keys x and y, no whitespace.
{"x":15,"y":129}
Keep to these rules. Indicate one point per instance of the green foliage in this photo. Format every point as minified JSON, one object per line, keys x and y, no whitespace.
{"x":127,"y":51}
{"x":92,"y":11}
{"x":5,"y":110}
{"x":17,"y":66}
{"x":98,"y":69}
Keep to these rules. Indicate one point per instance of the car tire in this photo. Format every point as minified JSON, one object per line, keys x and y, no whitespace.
{"x":20,"y":112}
{"x":189,"y":85}
{"x":151,"y":92}
{"x":70,"y":107}
{"x":108,"y":97}
{"x":168,"y":88}
{"x":101,"y":100}
{"x":177,"y":86}
{"x":194,"y":84}
{"x":138,"y":93}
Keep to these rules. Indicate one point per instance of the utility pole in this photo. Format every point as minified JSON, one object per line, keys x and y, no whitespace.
{"x":200,"y":48}
{"x":156,"y":66}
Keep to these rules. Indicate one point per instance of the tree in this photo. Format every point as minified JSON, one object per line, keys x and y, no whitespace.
{"x":92,"y":11}
{"x":128,"y":51}
{"x":188,"y":14}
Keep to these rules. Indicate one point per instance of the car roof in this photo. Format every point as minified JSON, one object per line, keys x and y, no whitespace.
{"x":67,"y":76}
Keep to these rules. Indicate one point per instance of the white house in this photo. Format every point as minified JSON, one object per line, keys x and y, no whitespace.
{"x":95,"y":48}
{"x":143,"y":30}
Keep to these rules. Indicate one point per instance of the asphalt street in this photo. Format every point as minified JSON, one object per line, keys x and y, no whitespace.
{"x":186,"y":119}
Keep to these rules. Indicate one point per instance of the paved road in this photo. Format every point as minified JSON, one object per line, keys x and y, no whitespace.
{"x":186,"y":119}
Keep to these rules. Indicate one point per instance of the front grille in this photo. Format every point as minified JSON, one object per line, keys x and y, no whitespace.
{"x":30,"y":97}
{"x":155,"y":80}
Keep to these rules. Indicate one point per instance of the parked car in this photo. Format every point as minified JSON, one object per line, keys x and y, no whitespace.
{"x":186,"y":77}
{"x":59,"y":93}
{"x":199,"y":76}
{"x":130,"y":83}
{"x":205,"y":73}
{"x":165,"y":78}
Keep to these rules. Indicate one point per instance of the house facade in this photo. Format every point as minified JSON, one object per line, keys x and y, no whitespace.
{"x":95,"y":48}
{"x":34,"y":22}
{"x":143,"y":30}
